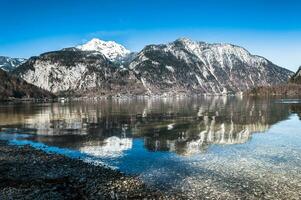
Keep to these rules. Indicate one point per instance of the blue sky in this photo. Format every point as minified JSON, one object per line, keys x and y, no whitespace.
{"x":271,"y":28}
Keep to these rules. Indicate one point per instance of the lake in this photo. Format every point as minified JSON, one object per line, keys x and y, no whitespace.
{"x":202,"y":146}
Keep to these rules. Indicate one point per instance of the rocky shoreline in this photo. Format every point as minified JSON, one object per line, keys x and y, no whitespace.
{"x":27,"y":173}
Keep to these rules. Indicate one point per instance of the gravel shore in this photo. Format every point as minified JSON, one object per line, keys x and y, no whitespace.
{"x":27,"y":173}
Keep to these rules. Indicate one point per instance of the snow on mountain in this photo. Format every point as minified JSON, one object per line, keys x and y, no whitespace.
{"x":8,"y":64}
{"x":189,"y":66}
{"x":74,"y":71}
{"x":113,"y":51}
{"x":182,"y":66}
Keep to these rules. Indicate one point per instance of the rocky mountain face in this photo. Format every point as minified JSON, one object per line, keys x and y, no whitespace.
{"x":296,"y":78}
{"x":199,"y":67}
{"x":73,"y":71}
{"x":9,"y":64}
{"x":291,"y":89}
{"x":14,"y":87}
{"x":183,"y":66}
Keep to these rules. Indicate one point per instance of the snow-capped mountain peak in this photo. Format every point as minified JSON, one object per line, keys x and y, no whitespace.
{"x":112,"y":50}
{"x":182,"y":66}
{"x":8,"y":64}
{"x":187,"y":65}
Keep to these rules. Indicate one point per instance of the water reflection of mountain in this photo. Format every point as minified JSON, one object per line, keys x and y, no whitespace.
{"x":183,"y":125}
{"x":195,"y":136}
{"x":109,"y":147}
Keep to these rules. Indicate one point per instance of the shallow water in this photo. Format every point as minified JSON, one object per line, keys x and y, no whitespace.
{"x":227,"y":147}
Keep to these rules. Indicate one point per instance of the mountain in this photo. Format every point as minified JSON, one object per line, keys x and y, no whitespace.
{"x":182,"y":66}
{"x":113,"y":51}
{"x":199,"y":67}
{"x":73,"y":71}
{"x":291,"y":89}
{"x":14,"y":87}
{"x":9,"y":64}
{"x":296,"y":78}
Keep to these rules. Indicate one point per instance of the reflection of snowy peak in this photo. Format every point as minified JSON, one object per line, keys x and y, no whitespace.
{"x":112,"y":50}
{"x":195,"y":140}
{"x":163,"y":124}
{"x":224,"y":134}
{"x":111,"y":147}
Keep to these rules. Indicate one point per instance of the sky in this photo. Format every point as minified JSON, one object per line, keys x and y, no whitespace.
{"x":270,"y":28}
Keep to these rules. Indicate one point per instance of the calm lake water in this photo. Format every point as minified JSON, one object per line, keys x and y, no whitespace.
{"x":227,"y":147}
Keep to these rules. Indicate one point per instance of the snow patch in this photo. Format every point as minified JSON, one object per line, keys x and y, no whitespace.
{"x":170,"y":68}
{"x":112,"y":50}
{"x":144,"y":84}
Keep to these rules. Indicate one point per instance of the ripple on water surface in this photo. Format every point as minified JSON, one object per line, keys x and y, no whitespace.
{"x":214,"y":147}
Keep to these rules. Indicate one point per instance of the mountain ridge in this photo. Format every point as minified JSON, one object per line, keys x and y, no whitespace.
{"x":74,"y":71}
{"x":206,"y":66}
{"x":8,"y":64}
{"x":113,"y":51}
{"x":296,"y":78}
{"x":181,"y":66}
